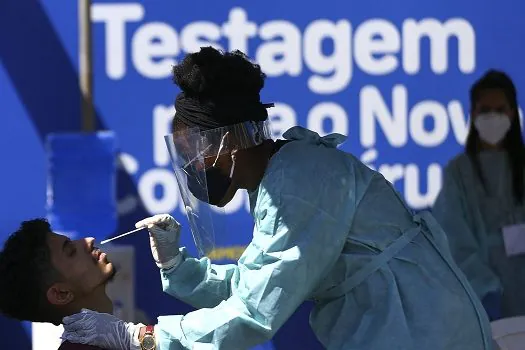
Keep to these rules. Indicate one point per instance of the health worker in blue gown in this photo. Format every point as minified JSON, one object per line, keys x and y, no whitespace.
{"x":326,"y":228}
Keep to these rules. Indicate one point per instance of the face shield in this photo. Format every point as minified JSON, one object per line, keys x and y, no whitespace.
{"x":203,"y":182}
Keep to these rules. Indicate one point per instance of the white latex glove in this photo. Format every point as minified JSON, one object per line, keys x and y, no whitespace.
{"x":164,"y":235}
{"x":102,"y":330}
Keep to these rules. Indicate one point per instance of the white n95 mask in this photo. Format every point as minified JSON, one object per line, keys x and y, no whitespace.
{"x":492,"y":127}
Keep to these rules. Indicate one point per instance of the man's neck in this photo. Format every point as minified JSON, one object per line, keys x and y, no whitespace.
{"x":102,"y":304}
{"x":97,"y":301}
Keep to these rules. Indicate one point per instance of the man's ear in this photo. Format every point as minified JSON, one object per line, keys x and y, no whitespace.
{"x":60,"y":294}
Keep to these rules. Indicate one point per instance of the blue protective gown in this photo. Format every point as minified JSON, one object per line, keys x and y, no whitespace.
{"x":330,"y":229}
{"x":473,"y":217}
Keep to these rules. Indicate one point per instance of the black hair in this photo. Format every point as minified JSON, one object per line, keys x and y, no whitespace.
{"x":513,"y":141}
{"x":228,"y":81}
{"x":26,"y":273}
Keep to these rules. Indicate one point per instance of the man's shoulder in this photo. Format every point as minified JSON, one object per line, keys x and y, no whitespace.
{"x":72,"y":346}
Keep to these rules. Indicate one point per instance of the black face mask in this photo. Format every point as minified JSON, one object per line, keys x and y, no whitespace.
{"x":217,"y":184}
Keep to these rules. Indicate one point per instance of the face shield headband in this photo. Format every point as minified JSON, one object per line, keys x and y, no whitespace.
{"x":195,"y":157}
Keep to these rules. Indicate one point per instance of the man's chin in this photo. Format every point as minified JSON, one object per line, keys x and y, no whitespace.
{"x":112,"y":273}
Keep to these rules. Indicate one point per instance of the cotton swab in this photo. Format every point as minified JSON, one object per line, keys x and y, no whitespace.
{"x":122,"y":235}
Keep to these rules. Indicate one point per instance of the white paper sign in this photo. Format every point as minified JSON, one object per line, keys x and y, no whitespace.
{"x":122,"y":289}
{"x":514,"y":238}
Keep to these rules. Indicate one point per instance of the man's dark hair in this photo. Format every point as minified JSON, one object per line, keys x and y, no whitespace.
{"x":26,"y":273}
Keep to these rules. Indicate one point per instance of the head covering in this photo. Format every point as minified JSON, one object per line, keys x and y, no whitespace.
{"x":211,"y":114}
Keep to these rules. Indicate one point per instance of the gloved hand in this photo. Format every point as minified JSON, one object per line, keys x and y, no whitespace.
{"x":492,"y":304}
{"x":164,"y":235}
{"x":102,"y":330}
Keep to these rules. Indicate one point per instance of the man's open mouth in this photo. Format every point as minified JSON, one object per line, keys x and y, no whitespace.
{"x":98,"y":255}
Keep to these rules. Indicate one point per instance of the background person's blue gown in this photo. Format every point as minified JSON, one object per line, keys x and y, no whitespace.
{"x":330,"y":229}
{"x":473,"y":219}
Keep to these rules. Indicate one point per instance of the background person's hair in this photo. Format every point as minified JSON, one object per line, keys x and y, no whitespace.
{"x":513,"y":141}
{"x":218,"y":89}
{"x":26,"y":273}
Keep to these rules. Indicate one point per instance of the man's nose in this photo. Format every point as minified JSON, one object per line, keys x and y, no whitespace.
{"x":90,"y":242}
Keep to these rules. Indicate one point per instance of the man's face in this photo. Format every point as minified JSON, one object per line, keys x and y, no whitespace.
{"x":83,"y":267}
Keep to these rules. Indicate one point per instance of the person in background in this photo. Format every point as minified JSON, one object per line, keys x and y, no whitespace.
{"x":481,"y":205}
{"x":45,"y":276}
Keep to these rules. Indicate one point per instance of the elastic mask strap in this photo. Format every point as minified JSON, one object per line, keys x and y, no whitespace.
{"x":221,"y":147}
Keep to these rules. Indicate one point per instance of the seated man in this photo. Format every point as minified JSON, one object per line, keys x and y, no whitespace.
{"x":45,"y":276}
